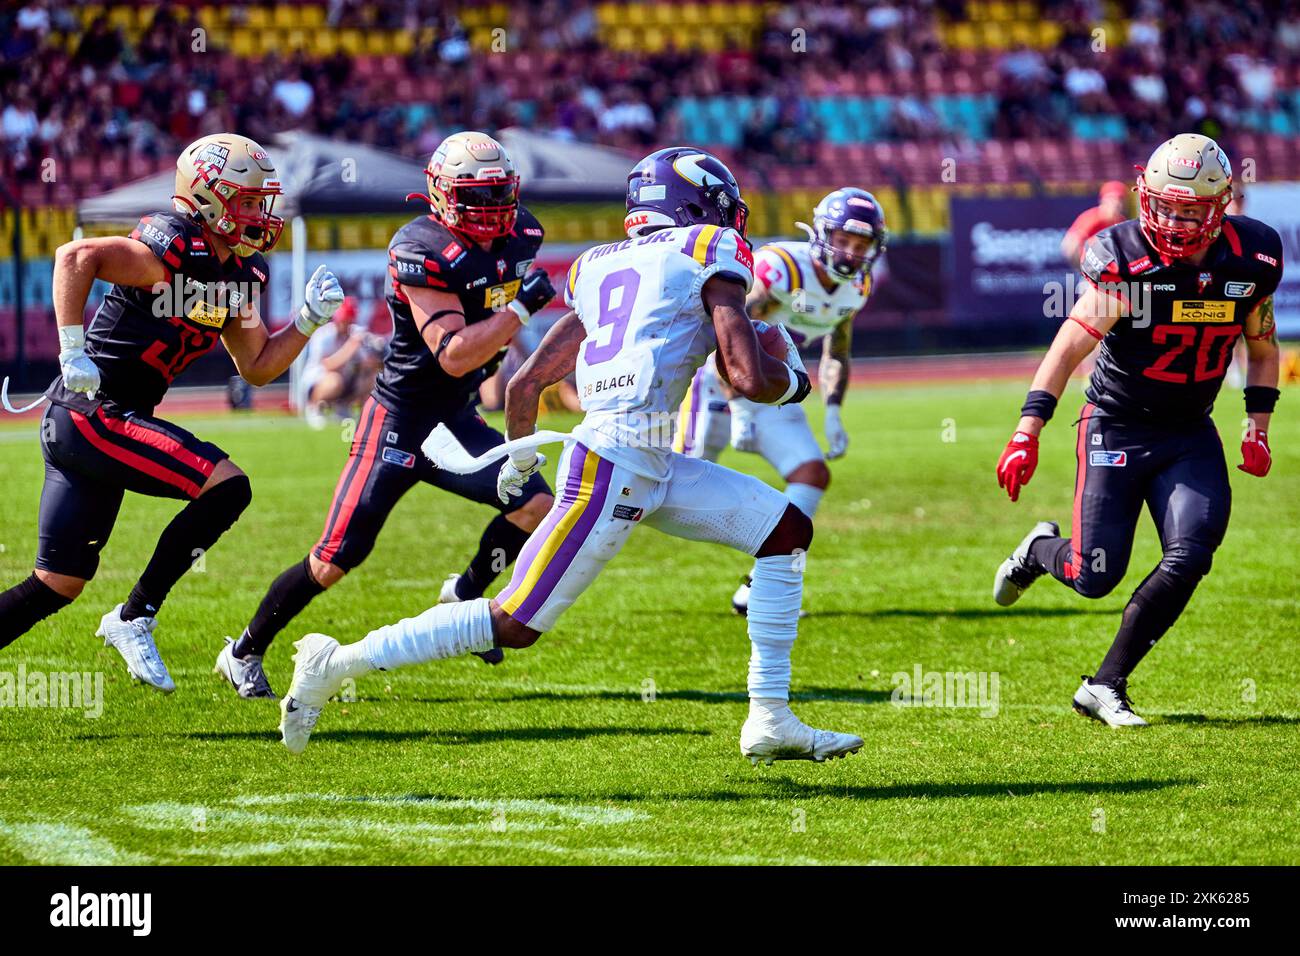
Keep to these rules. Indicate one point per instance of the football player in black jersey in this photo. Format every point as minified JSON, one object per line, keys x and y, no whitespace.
{"x":1168,"y":295}
{"x":461,"y":285}
{"x":181,"y":281}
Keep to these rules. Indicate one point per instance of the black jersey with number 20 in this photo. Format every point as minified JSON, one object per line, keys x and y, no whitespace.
{"x":1166,"y":360}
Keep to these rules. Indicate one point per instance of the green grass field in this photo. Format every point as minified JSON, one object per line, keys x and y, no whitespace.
{"x":556,"y":757}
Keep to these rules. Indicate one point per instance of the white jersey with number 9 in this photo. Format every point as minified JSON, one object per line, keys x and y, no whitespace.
{"x":647,"y":332}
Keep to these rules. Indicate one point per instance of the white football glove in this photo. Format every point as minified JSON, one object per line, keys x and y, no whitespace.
{"x":837,"y":439}
{"x":744,"y":433}
{"x":80,"y":374}
{"x":322,"y":299}
{"x":514,"y":475}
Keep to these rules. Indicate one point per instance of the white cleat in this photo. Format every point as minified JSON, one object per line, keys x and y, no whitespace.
{"x":315,"y":681}
{"x":1107,"y":703}
{"x":773,"y":732}
{"x":134,"y":641}
{"x":1015,"y":575}
{"x":740,"y":600}
{"x":246,"y":676}
{"x":448,"y":593}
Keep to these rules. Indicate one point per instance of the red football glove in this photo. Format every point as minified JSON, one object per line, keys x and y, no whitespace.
{"x":1256,"y":459}
{"x":1017,"y":464}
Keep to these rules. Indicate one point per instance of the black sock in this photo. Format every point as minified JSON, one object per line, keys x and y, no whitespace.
{"x":497,"y":550}
{"x":1050,"y":555}
{"x":196,"y":528}
{"x":24,"y":604}
{"x":1150,"y":612}
{"x":292,"y":591}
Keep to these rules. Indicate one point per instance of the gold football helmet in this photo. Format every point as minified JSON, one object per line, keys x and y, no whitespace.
{"x":473,"y":187}
{"x":227,"y":182}
{"x":1183,"y":192}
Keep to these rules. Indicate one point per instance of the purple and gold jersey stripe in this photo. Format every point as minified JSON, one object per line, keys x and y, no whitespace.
{"x":572,"y":282}
{"x":684,"y":439}
{"x":791,"y":268}
{"x":552,"y":547}
{"x":702,"y":244}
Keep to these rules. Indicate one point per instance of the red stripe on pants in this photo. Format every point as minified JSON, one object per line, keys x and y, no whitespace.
{"x":131,"y":459}
{"x":1072,"y":569}
{"x":329,"y":546}
{"x":156,"y":439}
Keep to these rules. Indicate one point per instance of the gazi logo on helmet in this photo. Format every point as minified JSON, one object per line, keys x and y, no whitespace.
{"x":1183,"y":193}
{"x":682,"y":186}
{"x":473,"y":186}
{"x":848,"y":233}
{"x":227,"y":183}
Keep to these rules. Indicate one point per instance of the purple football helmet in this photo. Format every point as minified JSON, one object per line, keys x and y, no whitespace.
{"x":854,"y":211}
{"x":682,"y":186}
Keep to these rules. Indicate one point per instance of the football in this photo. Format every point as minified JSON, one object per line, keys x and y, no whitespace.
{"x":770,"y":340}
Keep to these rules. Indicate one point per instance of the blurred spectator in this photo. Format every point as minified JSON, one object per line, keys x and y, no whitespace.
{"x":342,"y":361}
{"x":1111,"y":208}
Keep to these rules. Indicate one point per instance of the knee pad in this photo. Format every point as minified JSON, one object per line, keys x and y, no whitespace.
{"x":230,"y":498}
{"x":1188,"y":559}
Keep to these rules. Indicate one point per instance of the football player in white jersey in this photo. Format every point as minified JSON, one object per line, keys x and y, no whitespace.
{"x":646,"y":313}
{"x":813,"y":289}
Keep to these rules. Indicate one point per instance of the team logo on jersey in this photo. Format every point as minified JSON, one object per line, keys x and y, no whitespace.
{"x":1239,"y":290}
{"x":1263,"y":258}
{"x":1204,"y":310}
{"x":1202,"y":281}
{"x":499,"y":296}
{"x":205,"y":313}
{"x":744,"y":256}
{"x":395,"y":456}
{"x":501,"y":268}
{"x":1139,"y":265}
{"x":1108,"y":459}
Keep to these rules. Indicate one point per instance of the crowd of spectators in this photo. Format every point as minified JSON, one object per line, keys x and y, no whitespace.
{"x":1198,"y":65}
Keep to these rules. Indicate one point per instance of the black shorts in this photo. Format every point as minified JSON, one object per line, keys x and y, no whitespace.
{"x":386,"y":462}
{"x":1178,"y":472}
{"x":91,"y":459}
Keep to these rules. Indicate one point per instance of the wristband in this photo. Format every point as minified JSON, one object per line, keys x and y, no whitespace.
{"x":799,"y":388}
{"x":1259,"y":398}
{"x":520,"y":310}
{"x":1039,"y":404}
{"x":71,"y":337}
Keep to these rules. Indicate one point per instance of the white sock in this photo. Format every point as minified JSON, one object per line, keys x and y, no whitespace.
{"x":774,"y":598}
{"x":445,"y":630}
{"x":804,"y":497}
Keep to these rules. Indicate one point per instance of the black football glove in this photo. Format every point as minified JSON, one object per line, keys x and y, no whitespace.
{"x":535,"y":291}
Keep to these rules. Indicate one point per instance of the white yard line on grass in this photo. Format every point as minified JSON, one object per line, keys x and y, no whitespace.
{"x":61,"y":844}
